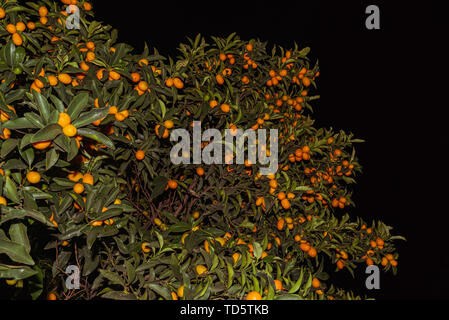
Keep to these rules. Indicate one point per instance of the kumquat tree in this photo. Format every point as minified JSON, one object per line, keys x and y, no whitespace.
{"x":87,"y":181}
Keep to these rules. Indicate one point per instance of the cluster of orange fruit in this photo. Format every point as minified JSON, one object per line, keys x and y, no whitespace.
{"x":341,"y":256}
{"x":76,"y":176}
{"x":5,"y":134}
{"x":300,"y":154}
{"x":170,"y":82}
{"x":66,"y":123}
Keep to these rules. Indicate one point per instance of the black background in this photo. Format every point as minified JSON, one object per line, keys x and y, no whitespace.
{"x":383,"y":85}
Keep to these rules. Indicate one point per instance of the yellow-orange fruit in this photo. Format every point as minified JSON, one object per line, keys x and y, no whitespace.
{"x":17,"y":39}
{"x":42,"y":145}
{"x":11,"y":28}
{"x":69,"y":130}
{"x":64,"y":119}
{"x":200,"y":269}
{"x":285,"y":204}
{"x":178,"y":83}
{"x":88,"y":178}
{"x":172,"y":184}
{"x":253,"y":295}
{"x":33,"y":177}
{"x":78,"y":188}
{"x":43,"y":11}
{"x":140,"y":155}
{"x":65,"y":78}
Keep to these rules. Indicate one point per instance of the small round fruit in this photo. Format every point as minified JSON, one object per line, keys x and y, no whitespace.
{"x":11,"y":282}
{"x":52,"y":80}
{"x":178,"y":83}
{"x":78,"y":188}
{"x":225,"y":107}
{"x":172,"y":184}
{"x":285,"y":204}
{"x":315,"y":283}
{"x":65,"y":78}
{"x":88,"y":178}
{"x":64,"y":119}
{"x":200,"y":269}
{"x":146,"y":247}
{"x":200,"y":171}
{"x":180,"y":291}
{"x":11,"y":28}
{"x":41,"y":145}
{"x":168,"y":124}
{"x":20,"y":26}
{"x":169,"y":82}
{"x":17,"y":39}
{"x":33,"y":177}
{"x":140,"y":155}
{"x":75,"y":176}
{"x":235,"y":257}
{"x":278,"y":284}
{"x":52,"y":296}
{"x":43,"y":11}
{"x":69,"y":130}
{"x":17,"y":70}
{"x":253,"y":295}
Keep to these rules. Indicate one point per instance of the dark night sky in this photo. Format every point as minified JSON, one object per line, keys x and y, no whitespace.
{"x":381,"y":85}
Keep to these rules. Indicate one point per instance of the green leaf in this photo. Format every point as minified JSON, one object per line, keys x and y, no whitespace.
{"x":18,"y":234}
{"x":51,"y":157}
{"x":48,"y":133}
{"x":14,"y":96}
{"x":297,"y":284}
{"x":10,"y":190}
{"x":73,"y":150}
{"x":160,"y":182}
{"x":14,"y":164}
{"x":36,"y":193}
{"x":58,"y":104}
{"x":289,"y":297}
{"x":20,"y":55}
{"x":257,"y":250}
{"x":16,"y":252}
{"x":91,"y":116}
{"x":113,"y":277}
{"x":113,"y":212}
{"x":19,"y":123}
{"x":162,"y":291}
{"x":63,"y":142}
{"x":302,"y":188}
{"x":8,"y":146}
{"x":163,"y":108}
{"x":10,"y":213}
{"x":78,"y":103}
{"x":16,"y":272}
{"x":27,"y":155}
{"x":120,"y":51}
{"x":230,"y":273}
{"x":97,"y":136}
{"x":25,"y":140}
{"x":118,"y":295}
{"x":180,"y":227}
{"x":8,"y":54}
{"x":160,"y":239}
{"x":35,"y":119}
{"x":43,"y":106}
